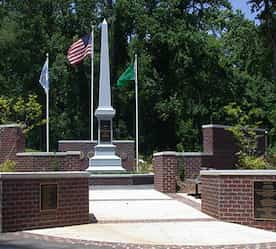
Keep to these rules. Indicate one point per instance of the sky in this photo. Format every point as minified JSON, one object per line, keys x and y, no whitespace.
{"x":243,"y":6}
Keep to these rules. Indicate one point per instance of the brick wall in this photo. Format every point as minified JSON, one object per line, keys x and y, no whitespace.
{"x":217,"y":139}
{"x":1,"y":193}
{"x":219,"y":152}
{"x":220,"y":142}
{"x":165,"y":171}
{"x":43,"y":161}
{"x":231,"y":197}
{"x":124,"y":149}
{"x":21,"y":202}
{"x":167,"y":164}
{"x":12,"y":141}
{"x":194,"y":163}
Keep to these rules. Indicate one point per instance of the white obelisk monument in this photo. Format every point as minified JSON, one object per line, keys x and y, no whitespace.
{"x":105,"y":159}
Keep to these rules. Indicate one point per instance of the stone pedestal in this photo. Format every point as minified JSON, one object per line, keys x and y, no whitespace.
{"x":105,"y":159}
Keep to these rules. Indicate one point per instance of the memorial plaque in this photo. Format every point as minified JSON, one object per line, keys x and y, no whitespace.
{"x":48,"y":196}
{"x":105,"y":132}
{"x":265,"y":200}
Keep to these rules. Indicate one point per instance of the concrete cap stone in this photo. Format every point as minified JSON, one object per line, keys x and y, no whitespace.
{"x":66,"y":153}
{"x":120,"y":175}
{"x":43,"y":175}
{"x":10,"y":126}
{"x":165,"y":153}
{"x":224,"y":127}
{"x":256,"y":172}
{"x":174,"y":153}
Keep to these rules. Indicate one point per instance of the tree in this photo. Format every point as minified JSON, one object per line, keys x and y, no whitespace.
{"x":266,"y":13}
{"x":195,"y":57}
{"x":27,"y":112}
{"x":244,"y":131}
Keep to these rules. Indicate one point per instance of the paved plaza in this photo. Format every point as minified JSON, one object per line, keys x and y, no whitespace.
{"x":138,"y":215}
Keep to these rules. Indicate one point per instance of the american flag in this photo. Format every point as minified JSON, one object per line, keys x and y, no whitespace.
{"x":79,"y":50}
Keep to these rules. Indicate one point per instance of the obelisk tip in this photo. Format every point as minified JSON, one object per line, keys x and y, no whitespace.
{"x":104,"y":21}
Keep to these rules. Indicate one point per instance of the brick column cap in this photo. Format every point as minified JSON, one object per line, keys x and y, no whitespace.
{"x":10,"y":126}
{"x":43,"y":175}
{"x":256,"y":172}
{"x":226,"y":127}
{"x":173,"y":153}
{"x":165,"y":153}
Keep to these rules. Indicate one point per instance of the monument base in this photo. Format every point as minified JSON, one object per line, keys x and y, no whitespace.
{"x":105,"y":160}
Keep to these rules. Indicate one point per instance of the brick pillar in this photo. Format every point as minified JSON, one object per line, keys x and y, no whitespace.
{"x":165,"y":171}
{"x":1,"y":193}
{"x":12,"y":141}
{"x":219,"y":141}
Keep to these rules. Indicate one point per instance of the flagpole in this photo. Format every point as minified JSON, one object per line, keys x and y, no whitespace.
{"x":92,"y":81}
{"x":136,"y":107}
{"x":47,"y":113}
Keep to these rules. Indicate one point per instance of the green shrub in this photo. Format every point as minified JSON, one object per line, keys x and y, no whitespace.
{"x":7,"y":166}
{"x":145,"y":167}
{"x":253,"y":162}
{"x":31,"y":150}
{"x":245,"y":133}
{"x":271,"y":157}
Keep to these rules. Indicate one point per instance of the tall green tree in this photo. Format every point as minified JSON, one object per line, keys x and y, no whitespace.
{"x":266,"y":13}
{"x":194,"y":58}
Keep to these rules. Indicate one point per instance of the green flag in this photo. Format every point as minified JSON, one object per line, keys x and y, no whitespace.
{"x":129,"y":74}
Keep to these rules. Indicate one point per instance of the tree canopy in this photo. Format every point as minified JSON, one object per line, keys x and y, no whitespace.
{"x":194,"y":58}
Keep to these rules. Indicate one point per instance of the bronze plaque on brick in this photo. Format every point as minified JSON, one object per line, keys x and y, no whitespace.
{"x":105,"y":131}
{"x":265,"y":200}
{"x":48,"y":196}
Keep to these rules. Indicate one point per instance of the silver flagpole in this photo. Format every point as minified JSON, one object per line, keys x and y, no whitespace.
{"x":136,"y":107}
{"x":92,"y":81}
{"x":47,"y":110}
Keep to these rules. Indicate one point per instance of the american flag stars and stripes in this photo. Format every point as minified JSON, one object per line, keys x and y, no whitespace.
{"x":79,"y":50}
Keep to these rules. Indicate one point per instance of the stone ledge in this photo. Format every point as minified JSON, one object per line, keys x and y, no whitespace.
{"x":44,"y":175}
{"x":238,"y":172}
{"x":225,"y":127}
{"x":193,"y":154}
{"x":174,"y":153}
{"x":120,"y":175}
{"x":10,"y":126}
{"x":67,"y":153}
{"x":165,"y":153}
{"x":94,"y":141}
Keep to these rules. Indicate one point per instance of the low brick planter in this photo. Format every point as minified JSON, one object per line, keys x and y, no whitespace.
{"x":39,"y":200}
{"x":246,"y":197}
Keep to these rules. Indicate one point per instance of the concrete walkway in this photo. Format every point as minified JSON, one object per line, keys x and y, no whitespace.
{"x":141,"y":215}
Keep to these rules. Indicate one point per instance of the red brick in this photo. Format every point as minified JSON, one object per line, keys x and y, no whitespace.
{"x":21,"y":204}
{"x":239,"y":208}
